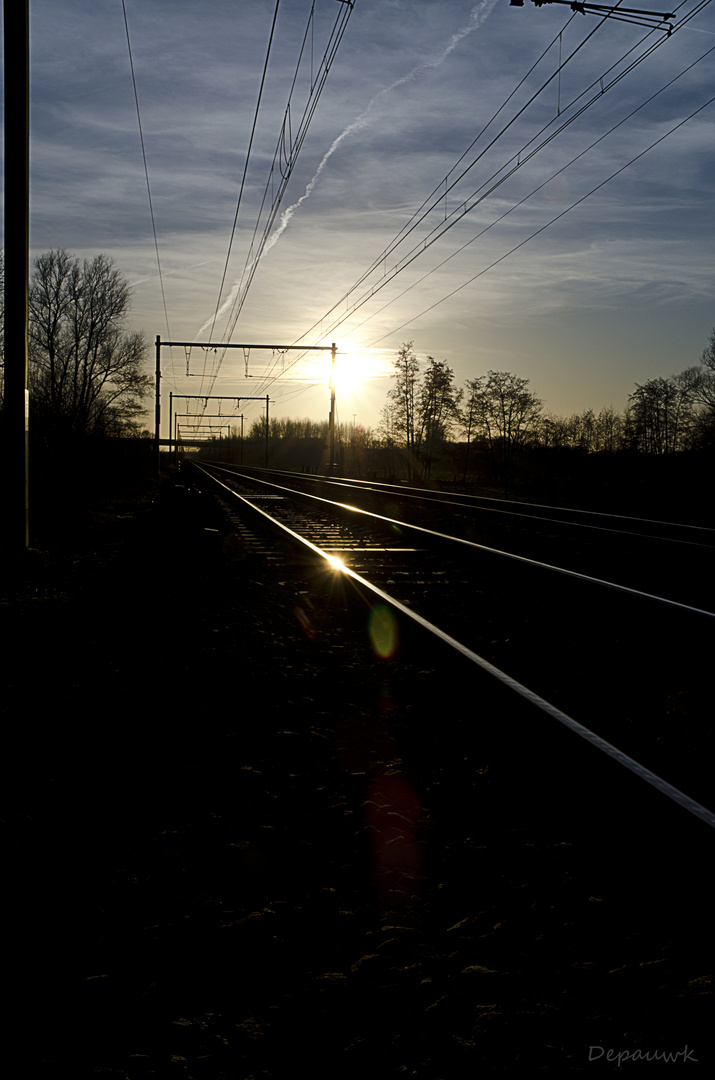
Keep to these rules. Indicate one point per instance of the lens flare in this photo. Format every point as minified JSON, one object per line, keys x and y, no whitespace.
{"x":305,"y":622}
{"x":384,"y":631}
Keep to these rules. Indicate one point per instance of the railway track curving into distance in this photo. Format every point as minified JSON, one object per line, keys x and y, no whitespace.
{"x":604,"y":624}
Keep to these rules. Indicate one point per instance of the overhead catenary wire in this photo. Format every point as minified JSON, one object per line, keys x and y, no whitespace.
{"x":548,"y":224}
{"x":439,"y":192}
{"x":269,"y":376}
{"x":468,"y":204}
{"x":533,"y":192}
{"x":146,"y":169}
{"x":420,"y":248}
{"x":246,"y":163}
{"x":256,"y":250}
{"x":273,"y":375}
{"x":521,"y":202}
{"x":317,"y":82}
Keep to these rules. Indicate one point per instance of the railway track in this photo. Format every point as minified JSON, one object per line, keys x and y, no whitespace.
{"x":294,"y":834}
{"x":670,"y":559}
{"x":621,"y":665}
{"x":502,"y":508}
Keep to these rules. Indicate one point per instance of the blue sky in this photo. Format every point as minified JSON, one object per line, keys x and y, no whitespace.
{"x":619,"y":289}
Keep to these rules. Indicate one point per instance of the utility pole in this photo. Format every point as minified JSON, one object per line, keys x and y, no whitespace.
{"x":266,"y":461}
{"x":331,"y":418}
{"x":17,"y":267}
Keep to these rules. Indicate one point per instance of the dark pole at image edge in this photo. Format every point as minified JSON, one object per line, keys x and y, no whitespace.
{"x":17,"y":267}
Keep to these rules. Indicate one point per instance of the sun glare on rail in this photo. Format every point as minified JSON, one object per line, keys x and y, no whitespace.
{"x":336,"y":563}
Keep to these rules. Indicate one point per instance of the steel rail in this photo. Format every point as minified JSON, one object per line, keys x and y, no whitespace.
{"x":469,"y":502}
{"x":449,"y":500}
{"x":657,"y":782}
{"x":522,"y":559}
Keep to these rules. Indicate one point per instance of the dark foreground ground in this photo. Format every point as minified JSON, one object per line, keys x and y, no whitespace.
{"x":238,"y":843}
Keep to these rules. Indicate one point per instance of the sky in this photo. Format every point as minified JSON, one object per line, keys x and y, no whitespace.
{"x":576,"y":251}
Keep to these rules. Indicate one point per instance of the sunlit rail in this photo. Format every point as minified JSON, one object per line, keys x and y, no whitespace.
{"x":279,"y":496}
{"x":436,"y":535}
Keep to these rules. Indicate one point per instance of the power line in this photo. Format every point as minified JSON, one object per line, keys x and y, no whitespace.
{"x":457,"y":215}
{"x":496,"y":181}
{"x":253,"y":261}
{"x":537,"y":232}
{"x":296,"y":140}
{"x":146,"y":169}
{"x":636,"y":16}
{"x":542,"y":185}
{"x":437,"y":194}
{"x":245,"y":166}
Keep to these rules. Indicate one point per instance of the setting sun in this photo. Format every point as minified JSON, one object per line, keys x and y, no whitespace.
{"x":353,"y":368}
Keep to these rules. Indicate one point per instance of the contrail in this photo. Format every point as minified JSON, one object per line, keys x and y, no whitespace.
{"x":169,"y":273}
{"x":477,"y":16}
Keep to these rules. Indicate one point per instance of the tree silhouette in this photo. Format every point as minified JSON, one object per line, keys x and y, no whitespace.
{"x":86,"y":371}
{"x":437,"y":408}
{"x":505,"y":412}
{"x":404,"y":396}
{"x":661,"y":414}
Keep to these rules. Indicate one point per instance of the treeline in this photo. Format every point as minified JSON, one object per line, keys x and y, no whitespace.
{"x":286,"y":427}
{"x":300,"y":443}
{"x":494,"y":431}
{"x":499,"y":413}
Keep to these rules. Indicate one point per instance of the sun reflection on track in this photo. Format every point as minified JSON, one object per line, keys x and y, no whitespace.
{"x":335,"y":562}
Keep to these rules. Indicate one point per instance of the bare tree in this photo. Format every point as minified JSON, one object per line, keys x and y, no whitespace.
{"x":553,"y":432}
{"x":707,"y":358}
{"x":388,"y":439}
{"x":609,"y":430}
{"x":86,"y":370}
{"x":506,"y":413}
{"x":404,"y":396}
{"x":661,"y":414}
{"x":469,"y":419}
{"x":437,"y":408}
{"x":701,"y":380}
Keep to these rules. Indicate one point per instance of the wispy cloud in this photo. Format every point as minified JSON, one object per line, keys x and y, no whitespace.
{"x":477,"y":17}
{"x":374,"y":108}
{"x":618,"y":289}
